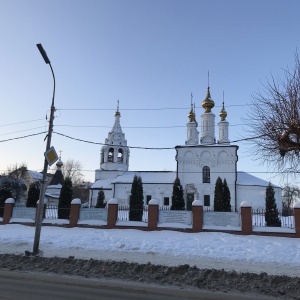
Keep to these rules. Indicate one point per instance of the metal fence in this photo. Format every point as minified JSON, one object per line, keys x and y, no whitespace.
{"x":127,"y":214}
{"x":165,"y":207}
{"x":51,"y":212}
{"x":258,"y":218}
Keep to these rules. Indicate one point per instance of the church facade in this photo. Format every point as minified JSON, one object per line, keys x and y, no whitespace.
{"x":200,"y":161}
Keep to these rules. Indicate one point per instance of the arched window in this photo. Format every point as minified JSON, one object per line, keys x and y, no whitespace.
{"x":206,"y":174}
{"x":110,"y":155}
{"x":120,"y":155}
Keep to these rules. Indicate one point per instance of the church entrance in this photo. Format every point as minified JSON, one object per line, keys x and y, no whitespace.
{"x":189,"y":201}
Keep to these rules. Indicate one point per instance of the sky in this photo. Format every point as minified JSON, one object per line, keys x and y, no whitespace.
{"x":206,"y":250}
{"x":149,"y":55}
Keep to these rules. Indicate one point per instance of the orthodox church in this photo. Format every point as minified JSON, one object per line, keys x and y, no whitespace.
{"x":200,"y":161}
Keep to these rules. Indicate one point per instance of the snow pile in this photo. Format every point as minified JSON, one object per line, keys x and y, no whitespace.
{"x":274,"y":255}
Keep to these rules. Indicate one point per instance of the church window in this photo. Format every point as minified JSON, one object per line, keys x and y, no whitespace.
{"x":206,"y":200}
{"x":148,"y":198}
{"x":166,"y":201}
{"x":110,"y":155}
{"x":120,"y":155}
{"x":206,"y":174}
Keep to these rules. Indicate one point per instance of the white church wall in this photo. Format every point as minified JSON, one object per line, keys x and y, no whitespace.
{"x":221,"y":162}
{"x":256,"y":195}
{"x":157,"y":191}
{"x":94,"y":194}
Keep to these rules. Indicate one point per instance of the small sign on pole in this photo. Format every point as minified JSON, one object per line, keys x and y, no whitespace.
{"x":51,"y":156}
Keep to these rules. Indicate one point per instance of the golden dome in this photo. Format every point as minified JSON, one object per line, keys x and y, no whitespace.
{"x":117,"y":113}
{"x":192,"y":115}
{"x":208,"y":103}
{"x":223,"y":113}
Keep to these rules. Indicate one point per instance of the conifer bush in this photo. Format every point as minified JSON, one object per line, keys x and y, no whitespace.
{"x":177,"y":196}
{"x":271,"y":214}
{"x":100,"y":199}
{"x":136,"y":200}
{"x":65,"y":199}
{"x":33,"y":194}
{"x":222,"y":196}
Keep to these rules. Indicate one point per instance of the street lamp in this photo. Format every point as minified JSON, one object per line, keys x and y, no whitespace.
{"x":43,"y":187}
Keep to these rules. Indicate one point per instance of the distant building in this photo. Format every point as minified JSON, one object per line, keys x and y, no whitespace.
{"x":200,"y":161}
{"x":53,"y":189}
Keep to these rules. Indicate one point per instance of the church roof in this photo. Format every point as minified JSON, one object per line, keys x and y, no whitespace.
{"x":58,"y":178}
{"x":244,"y":178}
{"x":102,"y":184}
{"x":35,"y":175}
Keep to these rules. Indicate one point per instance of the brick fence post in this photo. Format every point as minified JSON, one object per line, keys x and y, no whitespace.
{"x":153,"y":206}
{"x":8,"y":209}
{"x":297,"y":218}
{"x":74,"y":212}
{"x":246,"y":217}
{"x":197,"y":215}
{"x":112,"y":212}
{"x":37,"y":209}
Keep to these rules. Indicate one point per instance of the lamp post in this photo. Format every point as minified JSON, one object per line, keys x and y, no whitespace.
{"x":43,"y":187}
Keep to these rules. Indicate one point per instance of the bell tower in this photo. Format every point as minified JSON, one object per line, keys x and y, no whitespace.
{"x":115,"y":153}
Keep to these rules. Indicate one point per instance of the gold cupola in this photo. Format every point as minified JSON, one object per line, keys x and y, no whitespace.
{"x":223,"y":113}
{"x":192,"y":115}
{"x":117,"y":113}
{"x":208,"y":103}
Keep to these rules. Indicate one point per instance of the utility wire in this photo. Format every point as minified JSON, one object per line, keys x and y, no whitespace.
{"x":149,"y":148}
{"x":133,"y":127}
{"x":22,"y":130}
{"x":3,"y":125}
{"x":150,"y":109}
{"x":23,"y":137}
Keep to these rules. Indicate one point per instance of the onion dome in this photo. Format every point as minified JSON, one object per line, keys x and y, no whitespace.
{"x":208,"y":103}
{"x":192,"y":115}
{"x":59,"y":163}
{"x":223,"y":113}
{"x":117,"y":113}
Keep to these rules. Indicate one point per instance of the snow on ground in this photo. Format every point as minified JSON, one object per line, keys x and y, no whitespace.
{"x":273,"y":255}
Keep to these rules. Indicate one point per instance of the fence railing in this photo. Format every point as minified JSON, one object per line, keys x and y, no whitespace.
{"x":127,"y":214}
{"x":51,"y":212}
{"x":258,"y":218}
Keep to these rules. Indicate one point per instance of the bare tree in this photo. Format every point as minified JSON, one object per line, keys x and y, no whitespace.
{"x":72,"y":169}
{"x":274,"y":121}
{"x":291,"y":194}
{"x":12,"y":180}
{"x":17,"y":171}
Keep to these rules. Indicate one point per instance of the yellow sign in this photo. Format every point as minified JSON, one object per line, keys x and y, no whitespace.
{"x":51,"y":156}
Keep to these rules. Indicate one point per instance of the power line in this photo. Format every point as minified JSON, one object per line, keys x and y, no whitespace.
{"x":23,"y":137}
{"x":150,"y":109}
{"x":96,"y":143}
{"x":3,"y":125}
{"x":149,"y":148}
{"x":22,"y":130}
{"x":134,"y":127}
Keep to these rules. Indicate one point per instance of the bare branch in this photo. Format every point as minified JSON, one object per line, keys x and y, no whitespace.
{"x":274,"y":119}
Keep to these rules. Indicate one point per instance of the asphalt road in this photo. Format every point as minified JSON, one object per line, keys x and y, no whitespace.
{"x":32,"y":286}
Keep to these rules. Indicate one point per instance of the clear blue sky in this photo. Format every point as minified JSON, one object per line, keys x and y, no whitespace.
{"x":149,"y":55}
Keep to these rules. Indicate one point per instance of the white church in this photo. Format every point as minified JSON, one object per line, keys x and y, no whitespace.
{"x":200,"y":161}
